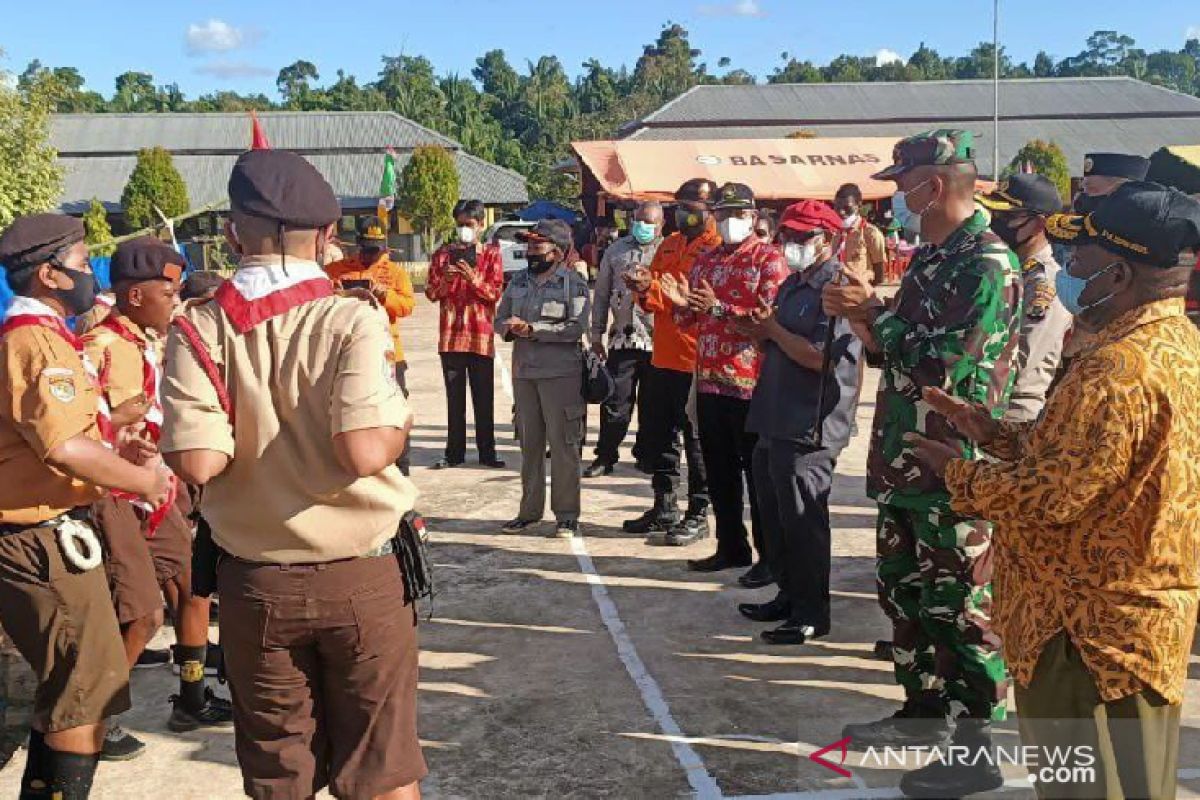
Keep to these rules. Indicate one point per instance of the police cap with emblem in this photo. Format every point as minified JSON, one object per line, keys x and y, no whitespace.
{"x":734,"y":196}
{"x":1142,"y":221}
{"x":371,"y":232}
{"x":555,"y":231}
{"x":1116,"y":165}
{"x":282,"y":187}
{"x":1024,"y":192}
{"x":146,"y":259}
{"x":930,"y":149}
{"x":697,"y":190}
{"x":35,"y":239}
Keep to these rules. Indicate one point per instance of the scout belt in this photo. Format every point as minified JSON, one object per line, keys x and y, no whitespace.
{"x":76,"y":538}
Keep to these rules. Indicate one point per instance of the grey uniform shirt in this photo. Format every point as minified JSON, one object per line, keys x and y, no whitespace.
{"x":1044,"y":325}
{"x":557,"y":311}
{"x":631,"y":328}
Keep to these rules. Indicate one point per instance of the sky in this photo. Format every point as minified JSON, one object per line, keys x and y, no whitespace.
{"x":241,"y":46}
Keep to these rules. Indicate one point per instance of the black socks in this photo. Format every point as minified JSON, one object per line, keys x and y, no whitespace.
{"x":191,"y":676}
{"x":51,"y":773}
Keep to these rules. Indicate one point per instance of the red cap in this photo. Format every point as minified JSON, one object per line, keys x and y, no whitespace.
{"x":809,"y":215}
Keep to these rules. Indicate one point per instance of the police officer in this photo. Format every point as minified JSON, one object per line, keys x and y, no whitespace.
{"x":544,"y":312}
{"x":1104,"y":173}
{"x":53,"y":465}
{"x":1020,"y":207}
{"x":294,"y":440}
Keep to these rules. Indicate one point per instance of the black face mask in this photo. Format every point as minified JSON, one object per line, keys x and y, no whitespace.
{"x":81,"y":297}
{"x":539,"y":263}
{"x":1007,"y":233}
{"x":691,"y":223}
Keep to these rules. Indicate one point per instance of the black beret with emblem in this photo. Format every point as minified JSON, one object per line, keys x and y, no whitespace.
{"x":555,"y":231}
{"x":1142,"y":221}
{"x":1116,"y":165}
{"x":146,"y":259}
{"x":282,"y":187}
{"x":1024,"y":192}
{"x":734,"y":196}
{"x":697,"y":190}
{"x":34,"y":239}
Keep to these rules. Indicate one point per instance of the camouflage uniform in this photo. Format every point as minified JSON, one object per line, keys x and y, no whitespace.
{"x":954,"y":324}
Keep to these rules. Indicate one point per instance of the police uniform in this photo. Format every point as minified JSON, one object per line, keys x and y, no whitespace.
{"x":312,"y":601}
{"x":56,"y":612}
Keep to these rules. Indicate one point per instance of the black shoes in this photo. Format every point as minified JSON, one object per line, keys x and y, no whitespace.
{"x":793,"y":633}
{"x":912,"y":726}
{"x":518,"y":525}
{"x":770,"y":611}
{"x":883,"y":650}
{"x":119,"y":745}
{"x":153,"y":658}
{"x":492,"y":463}
{"x":964,"y":772}
{"x":598,"y":468}
{"x":215,"y":713}
{"x":445,"y":463}
{"x":757,"y":577}
{"x":719,"y":561}
{"x":662,"y":517}
{"x":565,"y":529}
{"x":692,"y":528}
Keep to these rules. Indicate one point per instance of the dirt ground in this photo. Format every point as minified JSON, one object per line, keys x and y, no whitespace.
{"x":599,"y":668}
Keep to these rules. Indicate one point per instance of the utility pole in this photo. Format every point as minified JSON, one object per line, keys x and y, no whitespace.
{"x":996,"y":90}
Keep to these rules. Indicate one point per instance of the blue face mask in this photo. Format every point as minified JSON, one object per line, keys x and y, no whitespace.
{"x":644,"y":232}
{"x":1071,"y":288}
{"x":905,"y":217}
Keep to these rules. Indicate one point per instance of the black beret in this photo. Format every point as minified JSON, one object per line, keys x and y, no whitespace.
{"x":1142,"y":221}
{"x":1116,"y":165}
{"x":282,"y":187}
{"x":145,"y":259}
{"x":33,"y":239}
{"x":554,"y":231}
{"x":200,"y":283}
{"x":697,"y":190}
{"x":735,"y":195}
{"x":1024,"y":192}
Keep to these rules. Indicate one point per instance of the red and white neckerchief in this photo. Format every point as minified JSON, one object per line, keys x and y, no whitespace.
{"x":262,"y":288}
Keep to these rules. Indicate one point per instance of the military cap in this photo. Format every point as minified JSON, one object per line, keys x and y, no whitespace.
{"x":930,"y":149}
{"x":282,"y":187}
{"x":1142,"y":221}
{"x":371,"y":230}
{"x":36,"y":238}
{"x":1024,"y":192}
{"x":810,"y":215}
{"x":146,"y":259}
{"x":1116,"y":165}
{"x":555,"y":231}
{"x":734,"y":196}
{"x":697,"y":190}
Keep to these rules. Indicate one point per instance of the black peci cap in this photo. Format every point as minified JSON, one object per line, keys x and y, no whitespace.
{"x":146,"y":259}
{"x":1142,"y":221}
{"x":1116,"y":165}
{"x":734,"y":196}
{"x":697,"y":190}
{"x":32,"y":240}
{"x":282,"y":187}
{"x":1024,"y":192}
{"x":555,"y":231}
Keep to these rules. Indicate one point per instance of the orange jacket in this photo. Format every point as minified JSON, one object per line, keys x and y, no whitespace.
{"x":398,"y":298}
{"x":674,"y":348}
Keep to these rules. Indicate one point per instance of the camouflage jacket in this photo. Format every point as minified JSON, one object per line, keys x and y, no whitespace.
{"x":955,"y":324}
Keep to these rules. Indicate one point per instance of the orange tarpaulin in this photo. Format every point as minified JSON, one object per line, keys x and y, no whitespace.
{"x":776,"y":169}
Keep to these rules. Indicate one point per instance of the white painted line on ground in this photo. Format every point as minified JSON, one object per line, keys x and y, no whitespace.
{"x":702,"y":783}
{"x":881,"y":793}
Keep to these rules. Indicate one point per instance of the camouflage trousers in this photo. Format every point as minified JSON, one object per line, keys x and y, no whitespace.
{"x":934,"y":572}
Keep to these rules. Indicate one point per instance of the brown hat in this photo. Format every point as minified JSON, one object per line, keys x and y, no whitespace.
{"x":35,"y":239}
{"x":146,"y":259}
{"x":282,"y":187}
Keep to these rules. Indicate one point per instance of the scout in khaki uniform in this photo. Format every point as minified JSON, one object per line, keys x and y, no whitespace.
{"x":148,"y":552}
{"x":294,"y":437}
{"x":53,"y":465}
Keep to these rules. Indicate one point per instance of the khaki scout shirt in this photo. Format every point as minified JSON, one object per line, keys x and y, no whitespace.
{"x":865,"y":252}
{"x":295,"y":381}
{"x":46,"y":398}
{"x":123,"y":360}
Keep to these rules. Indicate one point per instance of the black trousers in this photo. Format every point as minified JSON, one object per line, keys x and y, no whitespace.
{"x":662,"y":419}
{"x":793,"y":482}
{"x":459,"y":369}
{"x":627,"y":368}
{"x":728,"y":459}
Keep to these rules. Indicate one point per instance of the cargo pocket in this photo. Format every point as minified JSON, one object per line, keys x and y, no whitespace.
{"x":379,"y":616}
{"x":576,"y":420}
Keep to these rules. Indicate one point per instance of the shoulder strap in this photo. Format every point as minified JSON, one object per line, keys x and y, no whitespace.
{"x":200,"y":350}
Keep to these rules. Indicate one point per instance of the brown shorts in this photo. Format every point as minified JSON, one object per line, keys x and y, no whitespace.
{"x":339,"y":631}
{"x":137,"y":567}
{"x":62,"y":622}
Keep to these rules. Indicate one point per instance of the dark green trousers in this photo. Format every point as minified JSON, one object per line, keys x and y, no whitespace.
{"x":1135,"y":740}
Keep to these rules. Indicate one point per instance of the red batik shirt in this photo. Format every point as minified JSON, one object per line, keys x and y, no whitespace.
{"x":467,"y":309}
{"x":742,"y":277}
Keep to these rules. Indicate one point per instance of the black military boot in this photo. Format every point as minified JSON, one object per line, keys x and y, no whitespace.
{"x":919,"y":723}
{"x":692,"y":528}
{"x":963,"y":772}
{"x":662,"y":517}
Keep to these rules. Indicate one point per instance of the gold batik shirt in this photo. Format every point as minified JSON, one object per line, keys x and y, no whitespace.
{"x":1097,"y":509}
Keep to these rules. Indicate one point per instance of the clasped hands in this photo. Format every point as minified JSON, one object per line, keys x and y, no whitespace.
{"x":967,"y":418}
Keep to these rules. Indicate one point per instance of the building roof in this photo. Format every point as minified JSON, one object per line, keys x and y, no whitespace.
{"x":1079,"y":114}
{"x":98,"y":152}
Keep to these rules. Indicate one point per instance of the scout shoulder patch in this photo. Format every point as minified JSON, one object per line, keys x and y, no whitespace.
{"x":1039,"y":290}
{"x":61,"y":383}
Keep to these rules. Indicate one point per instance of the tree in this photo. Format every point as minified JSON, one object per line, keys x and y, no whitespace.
{"x":794,"y":71}
{"x":95,"y":222}
{"x":496,"y":76}
{"x":668,"y":67}
{"x":135,"y":92}
{"x":428,"y":192}
{"x":1044,"y":158}
{"x":926,"y":64}
{"x":410,"y":87}
{"x":30,"y":178}
{"x":1043,"y":65}
{"x":292,"y":82}
{"x":153,"y":183}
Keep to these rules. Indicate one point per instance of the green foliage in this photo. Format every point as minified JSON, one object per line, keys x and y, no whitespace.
{"x":95,"y":222}
{"x":1045,"y":158}
{"x":30,"y":178}
{"x":153,"y":182}
{"x":428,"y":191}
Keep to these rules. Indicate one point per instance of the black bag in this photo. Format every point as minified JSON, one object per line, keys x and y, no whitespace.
{"x":415,"y":570}
{"x":598,"y":383}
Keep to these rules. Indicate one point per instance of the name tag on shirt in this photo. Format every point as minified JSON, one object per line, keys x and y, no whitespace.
{"x":553,"y":309}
